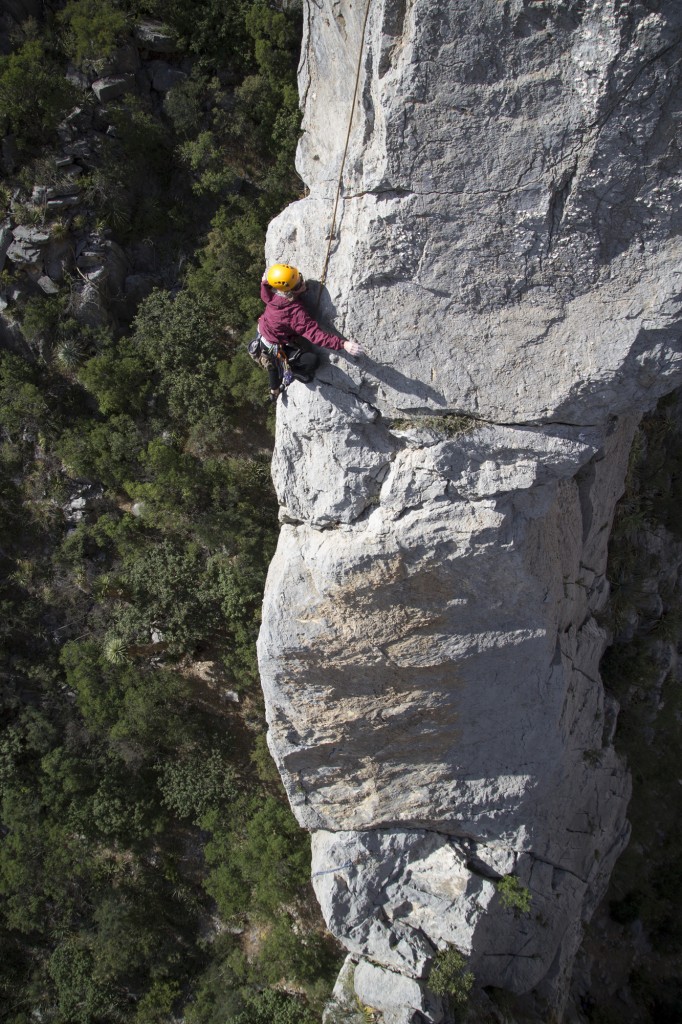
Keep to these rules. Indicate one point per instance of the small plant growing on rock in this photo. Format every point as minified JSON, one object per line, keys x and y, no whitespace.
{"x":449,"y":977}
{"x":449,"y":425}
{"x":59,"y":231}
{"x":71,"y":353}
{"x":513,"y":895}
{"x":367,"y":1012}
{"x":28,"y":214}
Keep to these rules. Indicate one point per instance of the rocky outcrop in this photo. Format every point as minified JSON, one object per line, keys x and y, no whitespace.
{"x":50,"y":238}
{"x":508,"y":251}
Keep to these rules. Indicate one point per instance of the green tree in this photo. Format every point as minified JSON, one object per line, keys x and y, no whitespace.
{"x":264,"y":863}
{"x":213,"y":30}
{"x":288,"y":952}
{"x":40,"y":319}
{"x":34,"y":95}
{"x":80,"y":998}
{"x":156,"y":1005}
{"x":184,"y":338}
{"x":119,"y":378}
{"x":231,"y":264}
{"x":167,"y":590}
{"x":103,"y":451}
{"x":23,"y":406}
{"x":43,"y":866}
{"x":132,"y":186}
{"x":93,"y":28}
{"x":272,"y":1007}
{"x":129,"y":704}
{"x":196,"y":784}
{"x":113,"y":771}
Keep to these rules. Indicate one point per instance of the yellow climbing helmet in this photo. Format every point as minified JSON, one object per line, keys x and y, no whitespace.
{"x":283,"y":277}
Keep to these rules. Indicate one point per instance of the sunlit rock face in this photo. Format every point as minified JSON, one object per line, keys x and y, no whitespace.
{"x":508,"y":251}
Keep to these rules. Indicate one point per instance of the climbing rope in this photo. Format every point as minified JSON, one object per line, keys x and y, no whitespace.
{"x":323,"y":276}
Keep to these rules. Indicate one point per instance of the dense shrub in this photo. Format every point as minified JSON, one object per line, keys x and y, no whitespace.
{"x":34,"y":95}
{"x":137,"y":522}
{"x":92,"y":28}
{"x":450,"y":977}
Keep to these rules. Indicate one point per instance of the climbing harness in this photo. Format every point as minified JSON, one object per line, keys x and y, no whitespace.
{"x":267,"y":353}
{"x":332,"y":228}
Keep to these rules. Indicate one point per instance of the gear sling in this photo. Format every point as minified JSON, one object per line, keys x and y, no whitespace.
{"x":284,"y":363}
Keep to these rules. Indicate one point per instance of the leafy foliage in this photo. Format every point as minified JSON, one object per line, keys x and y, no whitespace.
{"x":513,"y":895}
{"x":262,"y":861}
{"x":34,"y":95}
{"x":138,"y":520}
{"x":94,"y":28}
{"x":450,"y":978}
{"x":271,"y":1007}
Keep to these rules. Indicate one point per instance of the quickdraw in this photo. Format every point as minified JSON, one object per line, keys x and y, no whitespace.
{"x":286,"y":372}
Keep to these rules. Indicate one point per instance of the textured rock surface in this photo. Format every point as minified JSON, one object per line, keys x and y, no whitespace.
{"x":511,"y":216}
{"x":508,"y":250}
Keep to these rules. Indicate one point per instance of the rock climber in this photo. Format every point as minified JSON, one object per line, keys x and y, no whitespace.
{"x":284,"y":322}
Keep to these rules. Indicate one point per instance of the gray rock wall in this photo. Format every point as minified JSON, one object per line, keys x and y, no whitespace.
{"x":508,"y":251}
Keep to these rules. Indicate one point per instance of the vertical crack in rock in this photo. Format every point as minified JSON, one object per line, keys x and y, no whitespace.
{"x":560,"y":194}
{"x":431,"y":643}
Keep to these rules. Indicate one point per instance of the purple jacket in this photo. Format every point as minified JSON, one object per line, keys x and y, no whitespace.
{"x":286,"y":319}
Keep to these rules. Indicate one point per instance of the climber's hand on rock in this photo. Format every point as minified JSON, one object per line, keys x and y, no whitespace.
{"x":352,"y":348}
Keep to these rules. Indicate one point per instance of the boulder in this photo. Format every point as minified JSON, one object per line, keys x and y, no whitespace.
{"x":61,"y":204}
{"x":81,"y":150}
{"x":88,"y":305}
{"x":163,"y":76}
{"x":58,"y":259}
{"x":400,"y":1000}
{"x":77,"y":77}
{"x":112,"y":88}
{"x":127,"y":59}
{"x":47,"y":285}
{"x":83,"y":500}
{"x":27,"y":245}
{"x":11,"y":337}
{"x":67,"y":190}
{"x":155,"y":37}
{"x":143,"y":256}
{"x":136,"y":287}
{"x":124,"y":60}
{"x":103,"y":261}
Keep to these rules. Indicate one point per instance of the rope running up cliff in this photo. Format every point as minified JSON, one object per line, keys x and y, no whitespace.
{"x":323,"y":276}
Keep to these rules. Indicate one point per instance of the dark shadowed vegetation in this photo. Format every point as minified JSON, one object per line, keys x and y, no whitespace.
{"x":150,"y":869}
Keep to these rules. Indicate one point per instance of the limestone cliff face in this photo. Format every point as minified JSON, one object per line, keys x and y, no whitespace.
{"x":508,"y":251}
